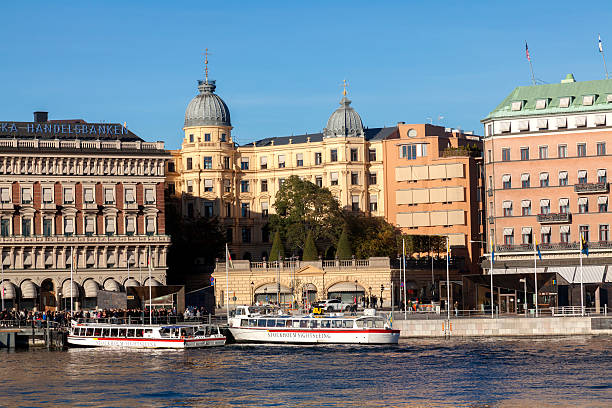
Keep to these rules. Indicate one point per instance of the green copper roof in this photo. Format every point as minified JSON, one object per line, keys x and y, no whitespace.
{"x":553,"y":93}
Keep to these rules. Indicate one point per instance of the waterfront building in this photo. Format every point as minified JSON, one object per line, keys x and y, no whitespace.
{"x":433,"y":186}
{"x":546,"y":174}
{"x":215,"y":177}
{"x":94,"y":190}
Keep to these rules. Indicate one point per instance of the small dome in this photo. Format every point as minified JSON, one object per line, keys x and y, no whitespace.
{"x":207,"y":108}
{"x":344,"y":121}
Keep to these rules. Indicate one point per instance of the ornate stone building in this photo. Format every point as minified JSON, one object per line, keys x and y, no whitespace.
{"x":95,"y":190}
{"x":216,"y":177}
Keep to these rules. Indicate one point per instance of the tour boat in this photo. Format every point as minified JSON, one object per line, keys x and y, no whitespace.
{"x":249,"y":325}
{"x":144,"y":336}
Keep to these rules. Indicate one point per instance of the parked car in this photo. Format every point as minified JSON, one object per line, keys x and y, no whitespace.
{"x":333,"y":305}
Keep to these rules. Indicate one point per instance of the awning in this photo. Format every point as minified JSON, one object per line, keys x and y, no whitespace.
{"x":564,"y":229}
{"x":91,"y":288}
{"x":590,"y":273}
{"x":545,"y":230}
{"x":566,"y":272}
{"x":563,"y":174}
{"x":346,"y":287}
{"x":524,"y":176}
{"x":66,"y":289}
{"x":506,"y":178}
{"x":28,"y":290}
{"x":112,"y":285}
{"x":526,"y":230}
{"x":601,"y":172}
{"x":544,"y":202}
{"x":563,"y":201}
{"x":309,"y":287}
{"x":507,"y":204}
{"x":602,"y":200}
{"x":526,"y":203}
{"x":543,"y":176}
{"x":131,"y":282}
{"x":583,"y":201}
{"x":271,"y":288}
{"x":508,"y":231}
{"x":8,"y":289}
{"x":582,"y":173}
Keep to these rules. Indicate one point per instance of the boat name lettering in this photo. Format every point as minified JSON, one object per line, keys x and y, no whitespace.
{"x":300,"y":335}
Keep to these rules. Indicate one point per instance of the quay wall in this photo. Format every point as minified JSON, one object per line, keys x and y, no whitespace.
{"x":506,"y":326}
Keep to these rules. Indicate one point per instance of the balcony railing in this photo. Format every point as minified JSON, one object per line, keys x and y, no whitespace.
{"x":589,"y":188}
{"x":554,"y":218}
{"x":556,"y":246}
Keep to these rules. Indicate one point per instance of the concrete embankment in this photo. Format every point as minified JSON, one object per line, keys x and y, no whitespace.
{"x":505,"y":326}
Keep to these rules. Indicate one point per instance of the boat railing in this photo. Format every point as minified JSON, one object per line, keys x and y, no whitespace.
{"x":155,"y":320}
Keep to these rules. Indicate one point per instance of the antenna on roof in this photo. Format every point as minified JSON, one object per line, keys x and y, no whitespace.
{"x":530,"y":65}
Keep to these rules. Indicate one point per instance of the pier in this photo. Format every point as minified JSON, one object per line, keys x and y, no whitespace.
{"x":24,"y":334}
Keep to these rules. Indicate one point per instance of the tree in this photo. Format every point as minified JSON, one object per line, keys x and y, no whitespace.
{"x":277,"y":247}
{"x":302,"y":206}
{"x":343,"y":249}
{"x":310,"y":249}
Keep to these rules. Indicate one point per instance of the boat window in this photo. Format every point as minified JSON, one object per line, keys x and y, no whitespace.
{"x":77,"y":331}
{"x":271,"y":323}
{"x":314,"y":324}
{"x":347,"y":324}
{"x":288,"y":323}
{"x":244,"y":322}
{"x":97,"y":331}
{"x":303,"y":323}
{"x":359,"y":323}
{"x":325,"y":324}
{"x":337,"y":323}
{"x":139,"y":332}
{"x":252,"y":322}
{"x":370,"y":323}
{"x":131,"y":333}
{"x":281,"y":323}
{"x":148,"y":331}
{"x":122,"y":332}
{"x":105,"y":332}
{"x":113,"y":332}
{"x":89,"y":332}
{"x":261,"y":323}
{"x":379,"y":324}
{"x":296,"y":323}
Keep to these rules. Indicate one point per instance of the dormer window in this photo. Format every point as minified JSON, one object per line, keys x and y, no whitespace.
{"x":564,"y":102}
{"x":541,"y":104}
{"x":588,"y":100}
{"x":517,"y":105}
{"x":609,"y":98}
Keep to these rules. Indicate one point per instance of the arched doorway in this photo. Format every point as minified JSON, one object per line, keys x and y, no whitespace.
{"x":309,"y":294}
{"x":70,"y":293}
{"x":267,"y":294}
{"x":346,"y":291}
{"x":48,"y":299}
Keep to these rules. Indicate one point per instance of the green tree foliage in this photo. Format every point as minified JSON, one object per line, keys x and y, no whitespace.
{"x":343,"y":249}
{"x":201,"y":239}
{"x":310,"y":249}
{"x":302,"y":206}
{"x":277,"y":247}
{"x":372,"y":236}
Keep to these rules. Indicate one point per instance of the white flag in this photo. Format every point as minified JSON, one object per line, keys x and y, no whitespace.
{"x":599,"y":43}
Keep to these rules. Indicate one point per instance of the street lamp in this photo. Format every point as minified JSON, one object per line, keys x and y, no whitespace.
{"x":252,"y":293}
{"x":490,"y":273}
{"x":524,"y":281}
{"x":382,"y":288}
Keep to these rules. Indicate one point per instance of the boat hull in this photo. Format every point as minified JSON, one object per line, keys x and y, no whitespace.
{"x":305,"y":336}
{"x":145,"y":343}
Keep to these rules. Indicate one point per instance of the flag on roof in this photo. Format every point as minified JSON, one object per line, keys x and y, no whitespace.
{"x":228,"y":257}
{"x":527,"y":52}
{"x":599,"y":43}
{"x":584,"y":246}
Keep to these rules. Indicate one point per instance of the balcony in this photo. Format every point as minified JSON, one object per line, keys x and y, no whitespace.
{"x":490,"y":192}
{"x":556,"y":246}
{"x":554,"y":218}
{"x":591,"y":188}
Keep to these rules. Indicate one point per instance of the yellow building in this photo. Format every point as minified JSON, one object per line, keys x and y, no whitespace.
{"x":213,"y":176}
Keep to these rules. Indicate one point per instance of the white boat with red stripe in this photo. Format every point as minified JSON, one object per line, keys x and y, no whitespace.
{"x":144,"y":336}
{"x":248,"y":326}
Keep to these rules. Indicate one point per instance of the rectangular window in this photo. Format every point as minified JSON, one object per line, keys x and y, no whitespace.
{"x":191,"y":138}
{"x":526,"y":208}
{"x":601,"y":149}
{"x":602,"y":204}
{"x":525,"y":181}
{"x":190,"y":186}
{"x":150,"y":196}
{"x":334,"y":155}
{"x":47,"y":227}
{"x":564,"y":235}
{"x":545,"y":237}
{"x":372,"y":179}
{"x":223,"y":137}
{"x":509,"y":239}
{"x":373,"y":203}
{"x":246,"y":235}
{"x":333,"y":178}
{"x":207,"y":162}
{"x":489,"y":156}
{"x":245,"y":210}
{"x":109,"y":196}
{"x":226,"y":163}
{"x":281,"y":161}
{"x":526,"y":236}
{"x":90,"y":225}
{"x":299,"y":159}
{"x":227,"y":185}
{"x":372,"y":155}
{"x":26,"y":196}
{"x":544,"y":206}
{"x":564,"y":205}
{"x":244,"y":186}
{"x":584,"y":232}
{"x":207,"y":137}
{"x":244,"y":163}
{"x":319,"y":181}
{"x":543,"y":179}
{"x":264,"y":209}
{"x":189,"y":163}
{"x":264,"y":186}
{"x":543,"y":152}
{"x":265,"y":234}
{"x":524,"y":153}
{"x":88,"y":195}
{"x":68,"y":196}
{"x":507,"y":208}
{"x":604,"y":232}
{"x":5,"y":227}
{"x":581,"y":149}
{"x":109,"y":224}
{"x":354,"y":178}
{"x":5,"y":195}
{"x":505,"y":154}
{"x":562,"y":149}
{"x":47,"y":195}
{"x":68,"y":226}
{"x":354,"y":155}
{"x":208,"y":185}
{"x":563,"y":178}
{"x":208,"y":209}
{"x":602,"y":176}
{"x":582,"y":177}
{"x":228,"y":210}
{"x":130,"y":225}
{"x":318,"y":158}
{"x":583,"y":205}
{"x":171,"y":167}
{"x":150,"y":227}
{"x":506,"y":181}
{"x":355,"y":203}
{"x":26,"y":227}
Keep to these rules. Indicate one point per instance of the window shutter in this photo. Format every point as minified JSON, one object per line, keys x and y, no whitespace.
{"x":89,"y":224}
{"x":130,"y":225}
{"x":69,"y":225}
{"x":129,"y":196}
{"x":110,"y":225}
{"x":150,"y":224}
{"x":89,"y":196}
{"x":47,"y":195}
{"x":68,"y":195}
{"x":27,"y":194}
{"x":149,"y":196}
{"x":108,"y":195}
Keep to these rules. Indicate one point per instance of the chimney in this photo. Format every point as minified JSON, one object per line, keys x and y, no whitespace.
{"x":41,"y":117}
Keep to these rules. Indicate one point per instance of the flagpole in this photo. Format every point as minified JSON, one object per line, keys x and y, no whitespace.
{"x":447,"y":277}
{"x":150,"y":297}
{"x":2,"y":279}
{"x":530,"y":65}
{"x":491,"y":273}
{"x":602,"y":54}
{"x":404,"y":266}
{"x":535,"y":273}
{"x":581,"y":281}
{"x":227,"y":282}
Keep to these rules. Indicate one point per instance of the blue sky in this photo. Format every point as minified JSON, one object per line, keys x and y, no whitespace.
{"x":279,"y":66}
